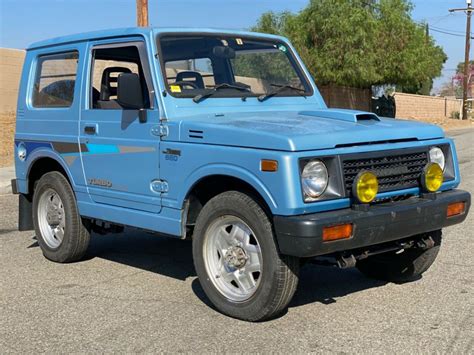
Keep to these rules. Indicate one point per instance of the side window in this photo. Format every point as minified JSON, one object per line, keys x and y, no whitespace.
{"x":108,"y":64}
{"x":55,"y":80}
{"x":198,"y":73}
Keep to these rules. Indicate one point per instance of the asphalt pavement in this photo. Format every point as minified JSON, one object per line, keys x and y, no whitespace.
{"x":136,"y":292}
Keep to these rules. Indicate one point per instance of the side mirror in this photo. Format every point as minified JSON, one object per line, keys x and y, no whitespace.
{"x":130,"y":94}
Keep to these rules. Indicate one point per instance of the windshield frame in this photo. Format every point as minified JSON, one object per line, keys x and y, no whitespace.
{"x":226,"y":94}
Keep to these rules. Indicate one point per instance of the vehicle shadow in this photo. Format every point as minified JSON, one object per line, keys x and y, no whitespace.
{"x":325,"y":284}
{"x":173,"y":258}
{"x":162,"y":255}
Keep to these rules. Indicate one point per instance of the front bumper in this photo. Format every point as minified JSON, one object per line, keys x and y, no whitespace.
{"x":302,"y":235}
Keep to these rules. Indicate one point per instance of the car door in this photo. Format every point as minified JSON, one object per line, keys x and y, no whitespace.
{"x":120,"y":154}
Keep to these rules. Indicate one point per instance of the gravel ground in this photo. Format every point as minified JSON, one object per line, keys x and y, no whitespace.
{"x":138,"y":293}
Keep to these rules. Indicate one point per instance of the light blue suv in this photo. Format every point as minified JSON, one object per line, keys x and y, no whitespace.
{"x":223,"y":138}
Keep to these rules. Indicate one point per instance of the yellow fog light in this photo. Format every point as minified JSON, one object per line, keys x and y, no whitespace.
{"x":432,"y":177}
{"x":366,"y":186}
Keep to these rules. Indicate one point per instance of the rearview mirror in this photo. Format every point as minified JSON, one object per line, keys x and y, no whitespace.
{"x":223,"y":52}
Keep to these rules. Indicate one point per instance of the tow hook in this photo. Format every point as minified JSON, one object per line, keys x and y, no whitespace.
{"x":426,"y":243}
{"x":345,"y":262}
{"x":340,"y":261}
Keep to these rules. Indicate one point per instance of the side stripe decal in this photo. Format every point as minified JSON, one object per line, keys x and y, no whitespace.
{"x":70,"y":151}
{"x":68,"y":148}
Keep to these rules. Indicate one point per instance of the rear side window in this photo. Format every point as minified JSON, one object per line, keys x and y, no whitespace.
{"x":55,"y":80}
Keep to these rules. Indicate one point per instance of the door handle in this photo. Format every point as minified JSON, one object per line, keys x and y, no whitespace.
{"x":90,"y":129}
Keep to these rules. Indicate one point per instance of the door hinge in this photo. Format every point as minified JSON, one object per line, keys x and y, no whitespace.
{"x":159,"y":186}
{"x":160,"y":131}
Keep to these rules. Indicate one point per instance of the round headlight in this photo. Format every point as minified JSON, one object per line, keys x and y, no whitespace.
{"x":314,"y":179}
{"x":366,"y":186}
{"x":432,"y":178}
{"x":437,"y":156}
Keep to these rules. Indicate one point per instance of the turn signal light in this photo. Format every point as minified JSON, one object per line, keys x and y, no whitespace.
{"x":341,"y":231}
{"x":455,"y":209}
{"x":268,"y":165}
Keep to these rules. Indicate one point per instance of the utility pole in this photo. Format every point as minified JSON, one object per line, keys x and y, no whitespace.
{"x":142,"y":13}
{"x":465,"y":82}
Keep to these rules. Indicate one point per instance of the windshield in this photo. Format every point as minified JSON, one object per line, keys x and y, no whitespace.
{"x":230,"y":66}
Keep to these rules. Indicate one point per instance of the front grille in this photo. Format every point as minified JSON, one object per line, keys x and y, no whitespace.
{"x":394,"y":171}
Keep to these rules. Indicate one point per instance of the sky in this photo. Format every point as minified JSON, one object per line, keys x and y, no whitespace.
{"x":25,"y":21}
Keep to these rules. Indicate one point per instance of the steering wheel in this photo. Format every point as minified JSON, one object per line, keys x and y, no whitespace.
{"x":186,"y":83}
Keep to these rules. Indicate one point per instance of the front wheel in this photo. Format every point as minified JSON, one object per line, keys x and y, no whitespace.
{"x":237,"y":261}
{"x":401,"y":267}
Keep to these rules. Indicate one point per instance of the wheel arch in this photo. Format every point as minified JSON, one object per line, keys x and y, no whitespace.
{"x":209,"y":186}
{"x":42,"y":164}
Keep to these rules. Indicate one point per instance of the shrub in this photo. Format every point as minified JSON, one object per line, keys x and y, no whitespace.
{"x":456,"y":115}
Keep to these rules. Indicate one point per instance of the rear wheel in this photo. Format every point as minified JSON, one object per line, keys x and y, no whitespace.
{"x":402,"y":267}
{"x":59,"y":228}
{"x":237,"y":261}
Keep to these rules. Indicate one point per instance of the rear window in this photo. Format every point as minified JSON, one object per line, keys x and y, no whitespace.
{"x":55,"y":80}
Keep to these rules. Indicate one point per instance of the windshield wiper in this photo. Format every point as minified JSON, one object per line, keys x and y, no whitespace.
{"x":201,"y":97}
{"x":279,"y":89}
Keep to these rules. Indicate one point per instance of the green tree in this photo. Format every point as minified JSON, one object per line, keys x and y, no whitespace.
{"x":460,"y":67}
{"x":360,"y":43}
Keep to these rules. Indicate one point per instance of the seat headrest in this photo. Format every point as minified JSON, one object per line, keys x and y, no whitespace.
{"x":195,"y":76}
{"x":109,"y":78}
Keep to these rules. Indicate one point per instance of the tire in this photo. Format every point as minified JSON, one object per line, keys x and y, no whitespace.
{"x":61,"y":234}
{"x":403,"y":267}
{"x":251,"y":295}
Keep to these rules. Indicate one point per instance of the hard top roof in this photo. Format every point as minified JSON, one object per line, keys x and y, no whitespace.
{"x":144,"y":31}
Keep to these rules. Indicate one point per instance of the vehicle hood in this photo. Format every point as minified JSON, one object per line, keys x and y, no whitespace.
{"x":301,"y":130}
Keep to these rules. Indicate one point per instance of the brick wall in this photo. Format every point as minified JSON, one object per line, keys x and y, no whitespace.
{"x":425,"y":107}
{"x":11,"y":63}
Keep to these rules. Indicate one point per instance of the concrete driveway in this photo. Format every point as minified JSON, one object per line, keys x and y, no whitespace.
{"x":138,"y":293}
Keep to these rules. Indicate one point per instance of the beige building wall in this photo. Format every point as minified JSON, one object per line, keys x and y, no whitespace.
{"x":11,"y":63}
{"x":7,"y":132}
